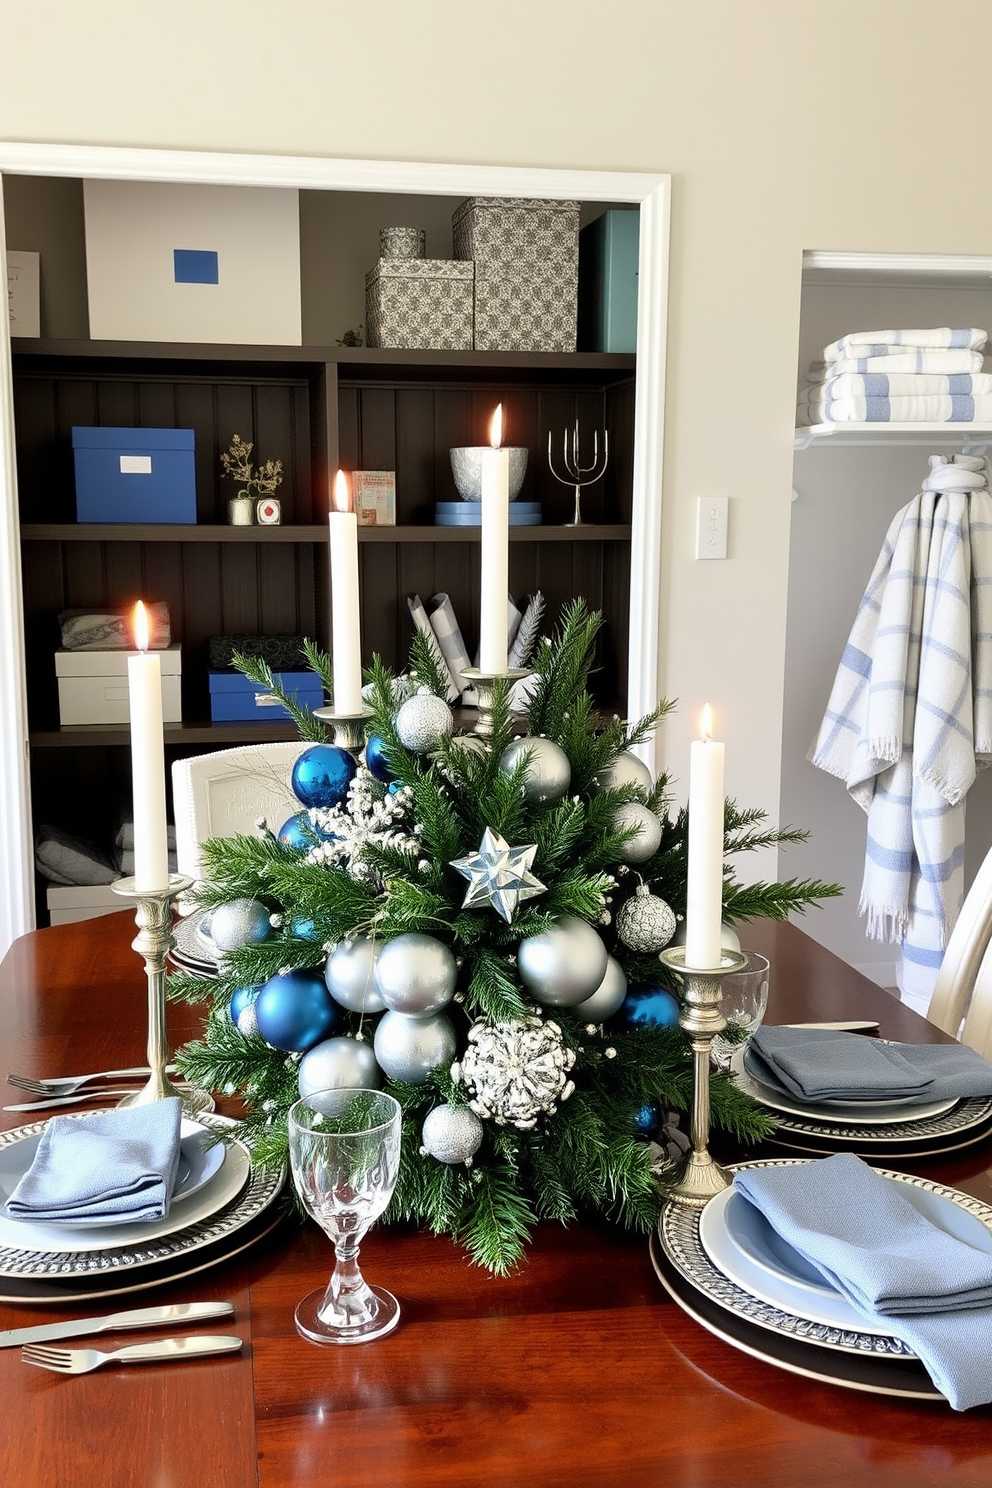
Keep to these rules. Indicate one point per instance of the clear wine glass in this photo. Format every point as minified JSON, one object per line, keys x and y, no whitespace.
{"x":744,"y":997}
{"x":344,"y":1148}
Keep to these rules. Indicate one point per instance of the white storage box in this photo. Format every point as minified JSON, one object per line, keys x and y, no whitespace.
{"x":85,"y":902}
{"x":93,"y":685}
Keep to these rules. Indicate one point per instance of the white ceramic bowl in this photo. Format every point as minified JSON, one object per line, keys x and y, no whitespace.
{"x":466,"y":467}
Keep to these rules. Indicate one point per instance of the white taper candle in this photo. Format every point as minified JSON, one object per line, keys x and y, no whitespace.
{"x":346,"y":634}
{"x":704,"y":891}
{"x":144,"y":682}
{"x":495,"y":544}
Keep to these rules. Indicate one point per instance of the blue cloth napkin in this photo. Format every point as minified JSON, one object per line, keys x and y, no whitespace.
{"x":114,"y":1167}
{"x":815,"y":1064}
{"x":894,"y":1266}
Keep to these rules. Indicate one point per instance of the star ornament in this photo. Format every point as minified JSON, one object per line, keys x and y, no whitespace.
{"x":499,"y":876}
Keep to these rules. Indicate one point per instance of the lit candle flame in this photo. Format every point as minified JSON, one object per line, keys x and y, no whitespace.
{"x":496,"y":427}
{"x":141,"y":627}
{"x":706,"y":722}
{"x":341,"y":498}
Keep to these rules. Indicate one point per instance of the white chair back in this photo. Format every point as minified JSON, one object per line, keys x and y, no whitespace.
{"x":967,"y":945}
{"x":224,"y":794}
{"x":977,"y":1031}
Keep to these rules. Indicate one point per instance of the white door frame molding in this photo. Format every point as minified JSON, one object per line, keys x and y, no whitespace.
{"x":314,"y":173}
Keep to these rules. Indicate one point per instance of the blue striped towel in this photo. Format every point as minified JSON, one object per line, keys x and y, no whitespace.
{"x":876,"y":343}
{"x":897,"y":384}
{"x":930,"y":408}
{"x":911,"y":708}
{"x":902,"y":360}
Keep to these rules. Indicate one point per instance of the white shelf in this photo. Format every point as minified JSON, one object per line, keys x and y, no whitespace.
{"x":966,"y":437}
{"x":961,"y":269}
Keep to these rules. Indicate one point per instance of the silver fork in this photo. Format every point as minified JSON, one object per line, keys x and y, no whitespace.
{"x":81,"y":1361}
{"x":67,"y":1084}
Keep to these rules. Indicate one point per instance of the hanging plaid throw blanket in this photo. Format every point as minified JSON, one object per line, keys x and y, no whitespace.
{"x":910,"y":713}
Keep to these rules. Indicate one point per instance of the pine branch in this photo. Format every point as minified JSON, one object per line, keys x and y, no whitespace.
{"x":259,"y":672}
{"x":318,"y":661}
{"x":427,"y":664}
{"x":775,"y":901}
{"x":496,"y":1226}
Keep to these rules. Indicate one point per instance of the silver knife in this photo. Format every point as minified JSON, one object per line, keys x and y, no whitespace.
{"x":863,"y":1025}
{"x":140,"y":1317}
{"x":107,"y":1094}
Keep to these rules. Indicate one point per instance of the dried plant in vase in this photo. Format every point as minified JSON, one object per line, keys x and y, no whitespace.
{"x":254,"y":483}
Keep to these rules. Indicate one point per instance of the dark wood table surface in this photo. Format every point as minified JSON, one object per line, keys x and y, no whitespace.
{"x":576,"y":1370}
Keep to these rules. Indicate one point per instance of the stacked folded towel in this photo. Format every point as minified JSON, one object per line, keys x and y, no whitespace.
{"x":892,"y":1264}
{"x":915,"y":376}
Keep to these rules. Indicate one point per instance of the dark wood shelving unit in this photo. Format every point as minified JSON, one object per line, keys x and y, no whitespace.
{"x":315,"y":408}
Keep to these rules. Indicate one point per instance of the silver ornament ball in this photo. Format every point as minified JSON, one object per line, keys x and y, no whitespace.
{"x":648,"y":840}
{"x":424,"y":722}
{"x":247,"y":1023}
{"x":339,"y":1064}
{"x":626,"y":769}
{"x":608,"y":996}
{"x":548,"y":771}
{"x":350,"y":978}
{"x":240,"y":923}
{"x":415,"y":974}
{"x":645,"y":923}
{"x":409,"y":1048}
{"x":564,"y":965}
{"x":452,"y":1134}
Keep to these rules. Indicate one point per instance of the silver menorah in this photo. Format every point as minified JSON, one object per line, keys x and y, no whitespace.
{"x":577,"y":474}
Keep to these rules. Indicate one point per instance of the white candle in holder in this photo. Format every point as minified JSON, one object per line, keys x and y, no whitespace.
{"x":704,"y":891}
{"x":495,"y":544}
{"x":346,"y":635}
{"x":144,"y":683}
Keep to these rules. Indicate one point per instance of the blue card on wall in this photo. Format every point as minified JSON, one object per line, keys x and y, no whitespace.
{"x":195,"y":266}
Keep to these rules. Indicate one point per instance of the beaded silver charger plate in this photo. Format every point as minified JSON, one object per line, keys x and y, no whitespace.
{"x":678,"y":1234}
{"x":258,"y":1194}
{"x":960,"y":1126}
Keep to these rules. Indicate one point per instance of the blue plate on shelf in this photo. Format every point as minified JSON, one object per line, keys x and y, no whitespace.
{"x":469,"y":513}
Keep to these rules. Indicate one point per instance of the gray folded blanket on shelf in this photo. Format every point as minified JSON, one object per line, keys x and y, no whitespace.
{"x":111,"y":629}
{"x":64,"y":859}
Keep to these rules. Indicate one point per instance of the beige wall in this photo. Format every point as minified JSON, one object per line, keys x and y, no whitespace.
{"x":784,"y":127}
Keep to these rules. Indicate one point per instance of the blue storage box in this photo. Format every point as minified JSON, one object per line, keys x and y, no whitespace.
{"x":135,"y":475}
{"x":608,"y":252}
{"x":236,"y":699}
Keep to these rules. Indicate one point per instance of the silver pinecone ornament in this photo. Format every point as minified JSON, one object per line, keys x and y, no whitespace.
{"x":514,"y":1072}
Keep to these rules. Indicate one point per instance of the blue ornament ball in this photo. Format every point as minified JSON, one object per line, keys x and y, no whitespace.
{"x":375,"y":759}
{"x":243,"y":998}
{"x":322,"y":775}
{"x":648,"y":1119}
{"x":298,"y":832}
{"x":295,"y":1011}
{"x":303,"y":929}
{"x":649,"y":1007}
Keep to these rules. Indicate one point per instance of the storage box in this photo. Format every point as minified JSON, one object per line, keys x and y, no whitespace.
{"x":423,"y":304}
{"x":526,"y":255}
{"x":608,"y":250}
{"x":375,"y":497}
{"x":135,"y":475}
{"x":82,"y":902}
{"x":235,"y":698}
{"x":93,"y":685}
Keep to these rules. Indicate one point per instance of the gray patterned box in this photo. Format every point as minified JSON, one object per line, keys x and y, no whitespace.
{"x":422,"y":304}
{"x":526,"y":255}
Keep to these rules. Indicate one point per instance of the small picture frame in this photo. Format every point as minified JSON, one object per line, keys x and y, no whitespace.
{"x":375,"y":497}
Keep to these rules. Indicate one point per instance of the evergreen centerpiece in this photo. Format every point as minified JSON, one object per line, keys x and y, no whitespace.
{"x":475,"y":925}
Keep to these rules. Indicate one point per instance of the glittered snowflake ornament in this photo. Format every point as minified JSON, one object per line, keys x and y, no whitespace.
{"x":515,"y":1072}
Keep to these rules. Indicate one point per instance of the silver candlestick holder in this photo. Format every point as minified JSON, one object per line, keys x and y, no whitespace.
{"x":702,"y":1019}
{"x":484,"y":682}
{"x":576,"y":474}
{"x":153,"y":916}
{"x":347,"y":729}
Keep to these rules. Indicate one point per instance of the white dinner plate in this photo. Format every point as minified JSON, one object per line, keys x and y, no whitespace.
{"x":743,"y":1245}
{"x":220,"y":1174}
{"x":874,"y":1113}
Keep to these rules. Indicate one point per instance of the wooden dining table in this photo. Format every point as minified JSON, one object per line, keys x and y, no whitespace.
{"x":577,"y":1369}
